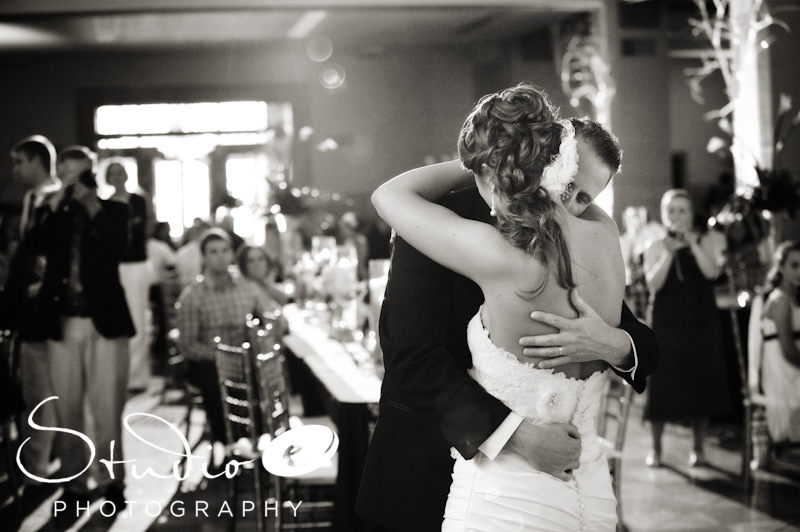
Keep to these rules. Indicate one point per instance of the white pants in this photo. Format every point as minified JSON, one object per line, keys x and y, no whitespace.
{"x":136,"y":278}
{"x":34,"y":368}
{"x":89,"y":374}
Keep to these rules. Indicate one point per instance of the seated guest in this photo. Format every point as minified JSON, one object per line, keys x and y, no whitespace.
{"x":348,"y":230}
{"x":780,"y":369}
{"x":216,"y":305}
{"x":161,"y":232}
{"x":188,"y":258}
{"x":255,"y":264}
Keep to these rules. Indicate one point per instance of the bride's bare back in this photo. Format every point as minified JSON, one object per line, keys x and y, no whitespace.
{"x":599,"y":274}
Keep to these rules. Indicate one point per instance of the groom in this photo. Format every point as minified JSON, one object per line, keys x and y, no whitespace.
{"x":429,"y":404}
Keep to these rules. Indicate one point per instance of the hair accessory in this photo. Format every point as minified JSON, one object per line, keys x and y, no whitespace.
{"x":567,"y":194}
{"x":558,"y":175}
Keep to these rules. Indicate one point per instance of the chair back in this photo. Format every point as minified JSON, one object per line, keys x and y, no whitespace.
{"x":755,"y":345}
{"x":271,"y":374}
{"x":612,"y":422}
{"x":239,"y":400}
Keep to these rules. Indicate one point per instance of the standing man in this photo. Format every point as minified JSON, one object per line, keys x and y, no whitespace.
{"x":81,"y":310}
{"x":33,"y":162}
{"x":430,"y":404}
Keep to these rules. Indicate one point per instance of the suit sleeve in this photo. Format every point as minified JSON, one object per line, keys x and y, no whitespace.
{"x":422,"y":377}
{"x":646,"y":349}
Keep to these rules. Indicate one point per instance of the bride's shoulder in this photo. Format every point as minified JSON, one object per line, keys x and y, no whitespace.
{"x":596,"y":226}
{"x":596,"y":215}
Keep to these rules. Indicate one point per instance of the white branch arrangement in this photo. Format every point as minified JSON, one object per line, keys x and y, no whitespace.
{"x":726,"y":35}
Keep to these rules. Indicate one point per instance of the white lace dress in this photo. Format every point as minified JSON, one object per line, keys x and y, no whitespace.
{"x":507,"y":494}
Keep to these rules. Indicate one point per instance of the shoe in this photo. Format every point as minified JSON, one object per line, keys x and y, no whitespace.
{"x":653,"y":459}
{"x":697,"y":460}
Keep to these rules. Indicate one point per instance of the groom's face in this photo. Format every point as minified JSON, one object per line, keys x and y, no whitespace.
{"x":592,"y":177}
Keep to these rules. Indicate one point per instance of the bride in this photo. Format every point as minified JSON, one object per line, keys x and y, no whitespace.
{"x":523,"y":161}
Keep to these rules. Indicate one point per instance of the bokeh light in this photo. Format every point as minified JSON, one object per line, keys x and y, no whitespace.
{"x":332,"y":77}
{"x":319,"y":48}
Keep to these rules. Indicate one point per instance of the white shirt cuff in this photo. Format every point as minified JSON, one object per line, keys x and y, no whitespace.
{"x":631,"y":370}
{"x":492,"y":446}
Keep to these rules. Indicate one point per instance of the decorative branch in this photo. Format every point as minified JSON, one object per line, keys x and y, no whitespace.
{"x":583,"y":71}
{"x":724,"y":33}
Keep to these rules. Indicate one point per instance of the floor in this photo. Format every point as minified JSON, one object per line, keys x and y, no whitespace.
{"x":673,"y":497}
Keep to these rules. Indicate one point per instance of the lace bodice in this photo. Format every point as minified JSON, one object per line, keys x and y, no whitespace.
{"x":539,"y":395}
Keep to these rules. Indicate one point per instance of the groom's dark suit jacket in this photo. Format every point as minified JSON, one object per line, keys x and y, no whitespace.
{"x":428,"y":401}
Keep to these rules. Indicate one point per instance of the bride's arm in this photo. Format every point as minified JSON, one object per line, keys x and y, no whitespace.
{"x":407,"y":204}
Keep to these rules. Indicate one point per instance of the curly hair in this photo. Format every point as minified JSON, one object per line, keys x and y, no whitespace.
{"x":513,"y":135}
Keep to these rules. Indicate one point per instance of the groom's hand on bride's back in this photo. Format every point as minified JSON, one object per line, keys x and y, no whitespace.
{"x":582,"y":339}
{"x":554,"y":448}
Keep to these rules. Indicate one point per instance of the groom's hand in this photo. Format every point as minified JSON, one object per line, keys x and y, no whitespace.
{"x":554,"y":449}
{"x":582,"y":339}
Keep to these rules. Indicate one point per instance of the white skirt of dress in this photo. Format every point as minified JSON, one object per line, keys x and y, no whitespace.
{"x":508,"y":495}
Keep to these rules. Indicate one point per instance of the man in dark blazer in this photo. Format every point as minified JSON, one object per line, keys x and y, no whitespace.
{"x":82,"y":313}
{"x":33,"y":161}
{"x":429,"y":403}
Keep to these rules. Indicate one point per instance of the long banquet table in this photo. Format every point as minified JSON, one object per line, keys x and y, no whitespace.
{"x":350,"y":392}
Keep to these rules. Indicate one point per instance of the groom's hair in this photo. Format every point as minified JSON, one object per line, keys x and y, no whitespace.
{"x":605,"y":144}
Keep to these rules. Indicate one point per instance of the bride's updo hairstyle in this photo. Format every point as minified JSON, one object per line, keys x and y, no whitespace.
{"x":510,"y":137}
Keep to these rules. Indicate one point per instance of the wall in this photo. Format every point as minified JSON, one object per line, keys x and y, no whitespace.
{"x":784,"y":54}
{"x":689,"y":130}
{"x":398,"y":106}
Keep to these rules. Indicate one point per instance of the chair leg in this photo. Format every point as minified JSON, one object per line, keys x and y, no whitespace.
{"x":259,"y":499}
{"x":747,"y":454}
{"x":618,"y":488}
{"x":233,"y":492}
{"x":278,"y":499}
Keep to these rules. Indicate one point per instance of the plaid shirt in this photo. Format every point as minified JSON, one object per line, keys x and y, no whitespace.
{"x":207,"y":310}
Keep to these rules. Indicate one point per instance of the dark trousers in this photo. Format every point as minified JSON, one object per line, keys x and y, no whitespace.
{"x":203,"y":375}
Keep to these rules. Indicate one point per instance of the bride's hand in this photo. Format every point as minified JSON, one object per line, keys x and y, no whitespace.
{"x":554,"y":449}
{"x":586,"y":338}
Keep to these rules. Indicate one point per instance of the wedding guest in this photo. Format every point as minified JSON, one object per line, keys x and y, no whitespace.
{"x":188,"y":258}
{"x":680,"y":269}
{"x":33,"y":164}
{"x":161,"y":257}
{"x":135,"y":275}
{"x":161,"y":232}
{"x":216,"y":305}
{"x":163,"y":293}
{"x":81,"y":310}
{"x":348,"y":230}
{"x":256,"y":265}
{"x":780,"y":365}
{"x":225,"y":222}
